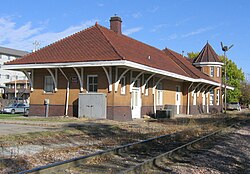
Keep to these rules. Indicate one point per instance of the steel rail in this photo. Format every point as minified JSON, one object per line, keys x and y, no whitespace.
{"x":151,"y":162}
{"x":76,"y":161}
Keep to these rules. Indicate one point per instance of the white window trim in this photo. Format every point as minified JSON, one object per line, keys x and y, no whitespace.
{"x":203,"y":99}
{"x":211,"y":102}
{"x":194,"y":98}
{"x":178,"y":94}
{"x":218,"y":96}
{"x":146,"y":90}
{"x":159,"y":97}
{"x":159,"y":94}
{"x":212,"y":72}
{"x":123,"y":85}
{"x":88,"y":82}
{"x":218,"y":71}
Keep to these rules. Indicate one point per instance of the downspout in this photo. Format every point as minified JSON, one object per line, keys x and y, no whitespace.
{"x":67,"y":93}
{"x":188,"y":99}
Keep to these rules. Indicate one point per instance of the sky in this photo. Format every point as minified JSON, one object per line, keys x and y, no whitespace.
{"x":181,"y":25}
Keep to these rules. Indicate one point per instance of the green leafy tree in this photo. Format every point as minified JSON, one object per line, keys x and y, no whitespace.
{"x":245,"y":90}
{"x":192,"y":55}
{"x":234,"y":78}
{"x":245,"y":97}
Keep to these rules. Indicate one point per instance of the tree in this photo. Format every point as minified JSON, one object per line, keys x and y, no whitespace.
{"x":192,"y":55}
{"x":245,"y":97}
{"x":245,"y":90}
{"x":234,"y":78}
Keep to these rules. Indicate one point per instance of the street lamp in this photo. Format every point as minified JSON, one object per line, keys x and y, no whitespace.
{"x":225,"y":49}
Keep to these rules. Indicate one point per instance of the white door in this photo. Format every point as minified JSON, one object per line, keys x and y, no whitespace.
{"x":178,"y":99}
{"x":136,"y":103}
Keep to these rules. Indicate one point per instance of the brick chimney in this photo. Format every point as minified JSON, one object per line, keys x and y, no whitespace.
{"x":116,"y":24}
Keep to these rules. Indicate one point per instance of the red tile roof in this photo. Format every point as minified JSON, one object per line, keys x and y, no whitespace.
{"x":98,"y":43}
{"x":86,"y":45}
{"x":186,"y":65}
{"x":207,"y":54}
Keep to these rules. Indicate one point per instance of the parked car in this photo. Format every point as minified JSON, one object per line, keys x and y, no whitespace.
{"x":234,"y":106}
{"x":16,"y":108}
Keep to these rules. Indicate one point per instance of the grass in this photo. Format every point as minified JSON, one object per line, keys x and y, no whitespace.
{"x":10,"y":116}
{"x":38,"y":137}
{"x":20,"y":117}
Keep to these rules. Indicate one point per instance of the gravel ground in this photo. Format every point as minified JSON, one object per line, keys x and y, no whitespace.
{"x":229,"y":154}
{"x":64,"y":140}
{"x":8,"y":129}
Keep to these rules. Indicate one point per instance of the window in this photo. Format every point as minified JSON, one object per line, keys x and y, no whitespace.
{"x":218,"y":97}
{"x":123,"y":85}
{"x":159,"y":94}
{"x":48,"y":84}
{"x":92,"y":81}
{"x":178,"y":95}
{"x":7,"y":76}
{"x":211,"y":71}
{"x":211,"y":97}
{"x":218,"y":71}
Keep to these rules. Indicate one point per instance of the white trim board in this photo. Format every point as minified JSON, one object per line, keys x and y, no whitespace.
{"x":209,"y":63}
{"x":108,"y":63}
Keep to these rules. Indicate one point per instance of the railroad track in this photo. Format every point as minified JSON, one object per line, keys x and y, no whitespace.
{"x":132,"y":158}
{"x":159,"y":164}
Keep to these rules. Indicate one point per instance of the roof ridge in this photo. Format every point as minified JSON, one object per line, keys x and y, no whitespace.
{"x":179,"y":61}
{"x":130,"y":38}
{"x":112,"y":45}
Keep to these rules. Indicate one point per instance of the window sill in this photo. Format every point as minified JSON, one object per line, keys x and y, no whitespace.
{"x":48,"y":93}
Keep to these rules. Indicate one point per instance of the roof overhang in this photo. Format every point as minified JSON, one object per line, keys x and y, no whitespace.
{"x":20,"y":67}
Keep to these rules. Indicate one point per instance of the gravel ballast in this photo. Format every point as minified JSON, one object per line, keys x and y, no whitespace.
{"x":230,"y":153}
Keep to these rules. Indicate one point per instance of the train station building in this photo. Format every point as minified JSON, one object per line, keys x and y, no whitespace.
{"x":101,"y":73}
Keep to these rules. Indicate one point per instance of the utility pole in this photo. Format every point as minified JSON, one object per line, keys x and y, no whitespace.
{"x":225,"y":49}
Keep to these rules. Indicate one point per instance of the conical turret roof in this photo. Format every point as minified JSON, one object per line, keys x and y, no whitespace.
{"x":207,"y":54}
